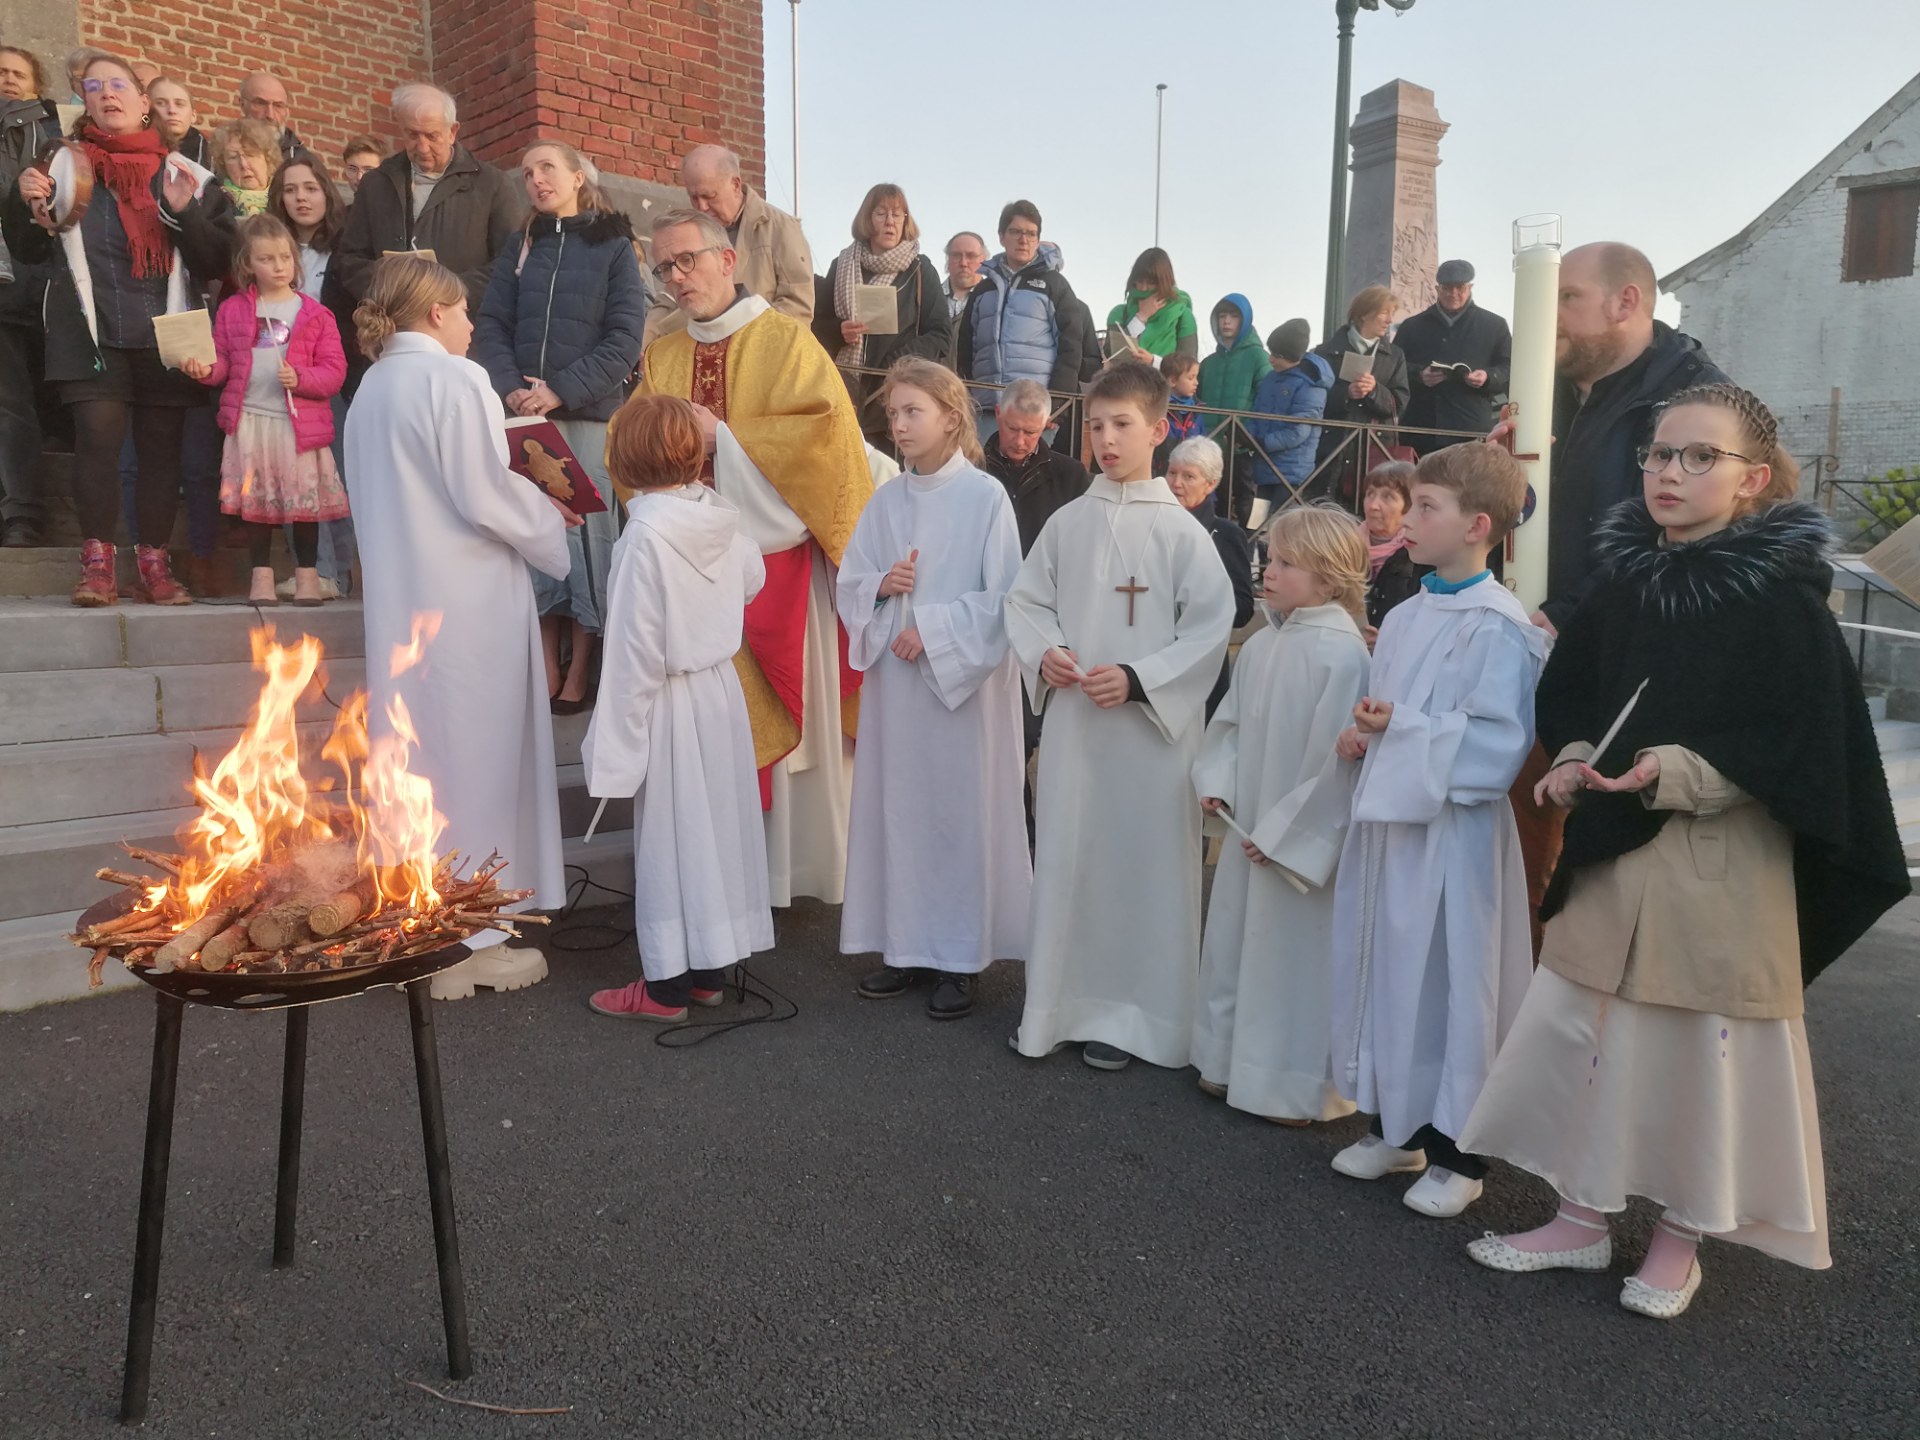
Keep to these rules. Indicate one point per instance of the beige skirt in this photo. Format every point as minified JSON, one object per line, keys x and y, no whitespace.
{"x":1711,"y":1117}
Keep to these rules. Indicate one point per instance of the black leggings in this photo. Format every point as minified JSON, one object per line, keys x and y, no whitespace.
{"x":99,"y":430}
{"x":675,"y":991}
{"x":306,"y":543}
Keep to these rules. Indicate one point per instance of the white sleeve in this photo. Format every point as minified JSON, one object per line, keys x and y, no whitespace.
{"x":491,"y":498}
{"x":869,"y":620}
{"x":633,"y":670}
{"x":966,"y":637}
{"x":765,"y":518}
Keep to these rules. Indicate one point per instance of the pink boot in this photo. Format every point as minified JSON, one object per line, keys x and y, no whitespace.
{"x":96,"y":585}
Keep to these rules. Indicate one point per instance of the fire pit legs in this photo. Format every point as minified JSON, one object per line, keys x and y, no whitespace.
{"x":433,"y":1130}
{"x":153,"y":1207}
{"x":293,"y":1104}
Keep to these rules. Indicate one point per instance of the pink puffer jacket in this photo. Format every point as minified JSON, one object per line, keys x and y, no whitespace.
{"x":313,"y":349}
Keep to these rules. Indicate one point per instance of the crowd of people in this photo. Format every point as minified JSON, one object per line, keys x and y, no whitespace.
{"x":1670,"y":765}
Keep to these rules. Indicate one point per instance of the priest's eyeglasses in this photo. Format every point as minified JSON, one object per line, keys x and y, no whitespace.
{"x":1694,"y":459}
{"x":683,"y":264}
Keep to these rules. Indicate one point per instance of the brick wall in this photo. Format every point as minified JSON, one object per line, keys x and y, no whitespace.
{"x":1780,"y":320}
{"x":633,"y":83}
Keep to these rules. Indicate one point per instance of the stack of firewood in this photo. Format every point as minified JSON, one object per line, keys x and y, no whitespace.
{"x":313,"y":912}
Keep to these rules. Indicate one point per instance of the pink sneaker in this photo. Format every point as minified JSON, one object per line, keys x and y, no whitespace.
{"x":706,"y":999}
{"x":631,"y":1002}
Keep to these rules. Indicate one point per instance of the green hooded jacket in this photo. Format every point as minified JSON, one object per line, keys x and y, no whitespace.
{"x":1229,"y":375}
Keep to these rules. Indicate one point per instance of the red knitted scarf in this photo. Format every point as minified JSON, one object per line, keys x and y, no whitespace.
{"x":126,"y":165}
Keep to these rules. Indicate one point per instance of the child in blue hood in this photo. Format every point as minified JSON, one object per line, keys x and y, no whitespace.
{"x":1295,"y":386}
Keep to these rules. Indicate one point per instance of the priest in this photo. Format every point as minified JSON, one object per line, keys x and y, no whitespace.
{"x":784,"y":446}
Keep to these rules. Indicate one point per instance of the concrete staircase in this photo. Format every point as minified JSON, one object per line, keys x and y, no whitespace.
{"x":101,"y":715}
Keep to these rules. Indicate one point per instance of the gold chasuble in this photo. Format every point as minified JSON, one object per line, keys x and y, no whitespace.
{"x":786,"y":407}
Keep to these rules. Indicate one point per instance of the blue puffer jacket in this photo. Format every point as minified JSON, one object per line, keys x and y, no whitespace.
{"x":1287,"y":450}
{"x":1025,"y":326}
{"x":567,"y":305}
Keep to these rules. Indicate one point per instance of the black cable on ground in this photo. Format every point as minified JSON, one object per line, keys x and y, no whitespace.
{"x":776,"y":1006}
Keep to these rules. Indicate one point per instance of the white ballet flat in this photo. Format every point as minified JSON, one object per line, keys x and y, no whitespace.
{"x":1370,"y":1158}
{"x":1657,"y":1304}
{"x":1442,"y":1193}
{"x":1495,"y":1253}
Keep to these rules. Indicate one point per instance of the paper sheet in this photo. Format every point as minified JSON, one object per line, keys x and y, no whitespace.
{"x":185,"y":336}
{"x":1225,"y":813}
{"x":1353,"y":365}
{"x":1896,"y":560}
{"x":878,"y":308}
{"x":201,"y":175}
{"x":424,"y":254}
{"x":69,"y":116}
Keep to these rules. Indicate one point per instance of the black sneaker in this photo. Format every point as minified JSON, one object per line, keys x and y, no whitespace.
{"x":887,"y":983}
{"x":951,"y":998}
{"x":1105,"y":1057}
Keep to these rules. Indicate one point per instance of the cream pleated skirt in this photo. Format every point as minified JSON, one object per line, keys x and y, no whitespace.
{"x":1711,"y":1117}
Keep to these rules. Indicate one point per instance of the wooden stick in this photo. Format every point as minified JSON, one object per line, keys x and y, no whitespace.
{"x":96,"y":965}
{"x":220,"y":951}
{"x":337,"y":912}
{"x":189,"y":940}
{"x":278,"y":926}
{"x":172,"y":864}
{"x":492,"y":1409}
{"x":122,"y":877}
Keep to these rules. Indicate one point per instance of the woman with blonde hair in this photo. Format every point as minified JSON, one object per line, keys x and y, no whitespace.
{"x":938,"y":874}
{"x":446,"y":533}
{"x":885,"y":251}
{"x":1263,"y":1027}
{"x":249,"y":152}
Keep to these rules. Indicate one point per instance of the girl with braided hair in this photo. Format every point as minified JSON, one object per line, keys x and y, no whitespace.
{"x":1730,"y":841}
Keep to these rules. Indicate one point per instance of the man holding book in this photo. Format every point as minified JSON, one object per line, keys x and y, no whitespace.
{"x":1458,"y":357}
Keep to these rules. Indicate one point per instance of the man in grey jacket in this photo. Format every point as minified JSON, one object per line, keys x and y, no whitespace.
{"x":772,"y":259}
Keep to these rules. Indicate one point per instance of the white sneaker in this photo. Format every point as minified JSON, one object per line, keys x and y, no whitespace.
{"x":1370,"y":1157}
{"x":1442,"y":1193}
{"x":498,"y":967}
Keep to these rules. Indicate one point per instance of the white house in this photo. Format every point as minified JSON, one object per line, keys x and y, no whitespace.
{"x":1821,"y":292}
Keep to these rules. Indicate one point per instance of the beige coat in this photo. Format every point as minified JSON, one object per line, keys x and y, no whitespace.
{"x":1701,"y":917}
{"x":772,"y":262}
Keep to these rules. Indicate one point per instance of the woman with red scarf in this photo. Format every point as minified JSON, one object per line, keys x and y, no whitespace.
{"x":126,"y":262}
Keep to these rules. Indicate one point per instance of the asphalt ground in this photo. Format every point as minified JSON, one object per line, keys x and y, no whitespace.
{"x":863,"y":1223}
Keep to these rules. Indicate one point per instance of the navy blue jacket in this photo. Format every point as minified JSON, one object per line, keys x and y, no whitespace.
{"x":567,"y":305}
{"x":1288,"y":449}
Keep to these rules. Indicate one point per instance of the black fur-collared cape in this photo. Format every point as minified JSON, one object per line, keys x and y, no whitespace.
{"x":1746,"y":668}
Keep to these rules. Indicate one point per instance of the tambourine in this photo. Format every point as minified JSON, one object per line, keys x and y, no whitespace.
{"x":65,"y":163}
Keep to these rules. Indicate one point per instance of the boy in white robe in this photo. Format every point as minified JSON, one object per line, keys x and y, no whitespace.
{"x":1260,"y":1029}
{"x":671,"y":724}
{"x":1120,"y":618}
{"x":938,"y":875}
{"x":1432,"y":952}
{"x":452,"y":633}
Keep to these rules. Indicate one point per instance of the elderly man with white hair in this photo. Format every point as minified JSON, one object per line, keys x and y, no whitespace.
{"x":433,"y":195}
{"x":1039,"y":479}
{"x":772,"y":259}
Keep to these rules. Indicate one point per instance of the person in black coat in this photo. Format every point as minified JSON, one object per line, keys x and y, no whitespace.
{"x":1039,"y":479}
{"x":885,"y":251}
{"x":1378,"y":397}
{"x":1193,"y":473}
{"x":27,"y":123}
{"x":1451,"y":332}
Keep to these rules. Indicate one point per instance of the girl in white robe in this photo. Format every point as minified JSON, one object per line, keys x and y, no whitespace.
{"x":671,"y":725}
{"x":938,"y":875}
{"x":1261,"y":1022}
{"x":444,"y":529}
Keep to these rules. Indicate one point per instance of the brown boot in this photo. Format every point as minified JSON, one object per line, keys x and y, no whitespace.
{"x":96,"y":585}
{"x":157,"y":585}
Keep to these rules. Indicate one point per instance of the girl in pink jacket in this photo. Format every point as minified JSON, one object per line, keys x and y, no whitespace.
{"x":280,"y":359}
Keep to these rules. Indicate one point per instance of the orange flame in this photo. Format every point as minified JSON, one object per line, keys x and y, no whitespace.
{"x":257,"y":807}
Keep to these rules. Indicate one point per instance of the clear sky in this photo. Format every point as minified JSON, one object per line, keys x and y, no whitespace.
{"x":1666,"y":123}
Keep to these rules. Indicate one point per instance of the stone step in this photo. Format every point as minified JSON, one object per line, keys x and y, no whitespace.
{"x":39,"y":965}
{"x":49,"y":634}
{"x":50,"y":865}
{"x":52,"y":569}
{"x":1897,"y":736}
{"x":1910,"y":842}
{"x":1906,"y":805}
{"x":86,"y":704}
{"x":1902,"y":767}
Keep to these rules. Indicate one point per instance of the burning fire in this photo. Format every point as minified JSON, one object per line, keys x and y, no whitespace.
{"x":278,"y":874}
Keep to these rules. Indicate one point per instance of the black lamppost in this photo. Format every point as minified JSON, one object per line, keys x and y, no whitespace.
{"x":1344,"y":12}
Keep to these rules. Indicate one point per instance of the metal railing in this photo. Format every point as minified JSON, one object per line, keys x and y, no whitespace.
{"x":1369,"y":439}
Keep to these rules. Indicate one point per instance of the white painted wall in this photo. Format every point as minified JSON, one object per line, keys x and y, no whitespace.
{"x":1778,"y":318}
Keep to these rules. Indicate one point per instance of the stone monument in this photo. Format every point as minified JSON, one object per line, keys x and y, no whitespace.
{"x":1393,"y":232}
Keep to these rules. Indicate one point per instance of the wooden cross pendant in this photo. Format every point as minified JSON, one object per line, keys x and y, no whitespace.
{"x":1130,"y":589}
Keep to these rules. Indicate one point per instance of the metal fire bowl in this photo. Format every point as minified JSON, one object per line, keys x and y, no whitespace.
{"x":228,"y":990}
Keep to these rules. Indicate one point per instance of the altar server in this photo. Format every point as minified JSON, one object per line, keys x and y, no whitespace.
{"x":671,"y":727}
{"x":453,"y":640}
{"x":938,"y":876}
{"x":1260,"y":1027}
{"x":1120,"y":618}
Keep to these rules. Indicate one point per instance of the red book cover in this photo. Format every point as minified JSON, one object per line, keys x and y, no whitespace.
{"x":536,"y":450}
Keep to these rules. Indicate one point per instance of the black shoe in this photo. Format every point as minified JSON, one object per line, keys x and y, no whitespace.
{"x":887,"y":983}
{"x":20,"y":535}
{"x":1105,"y":1057}
{"x":951,"y":998}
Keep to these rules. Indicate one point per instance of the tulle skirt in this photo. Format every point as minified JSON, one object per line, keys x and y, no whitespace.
{"x":1709,"y":1116}
{"x":266,"y":478}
